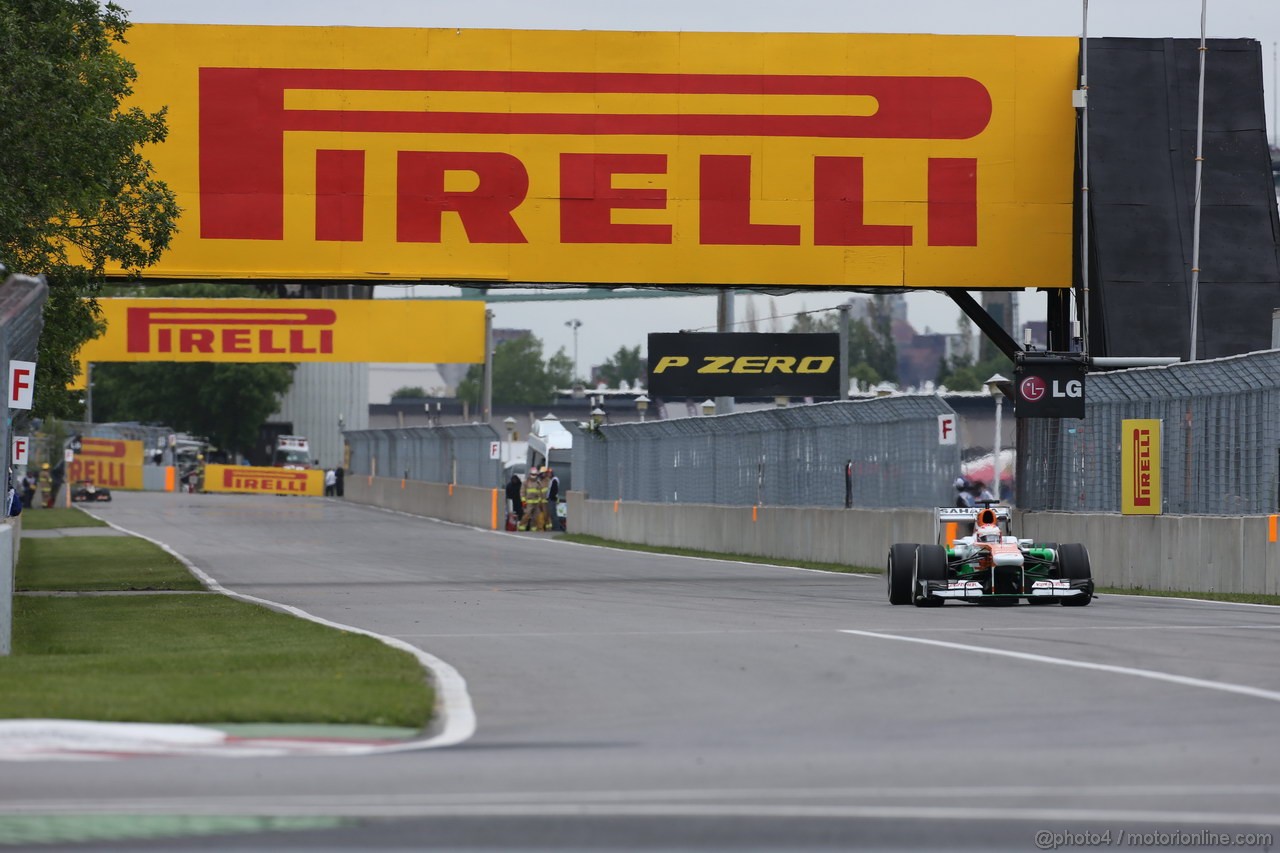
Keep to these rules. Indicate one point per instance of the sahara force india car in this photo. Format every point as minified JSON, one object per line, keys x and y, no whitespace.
{"x":87,"y":491}
{"x":977,"y":559}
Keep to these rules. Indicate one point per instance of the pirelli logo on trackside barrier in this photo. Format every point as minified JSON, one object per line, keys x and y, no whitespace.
{"x":1141,"y":490}
{"x":115,"y":463}
{"x":744,"y":365}
{"x":271,"y":481}
{"x":289,"y":330}
{"x":386,"y":154}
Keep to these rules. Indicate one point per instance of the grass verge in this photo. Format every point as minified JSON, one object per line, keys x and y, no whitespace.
{"x":583,"y":539}
{"x":1238,"y":597}
{"x":51,"y":519}
{"x":200,"y":659}
{"x":99,"y":563}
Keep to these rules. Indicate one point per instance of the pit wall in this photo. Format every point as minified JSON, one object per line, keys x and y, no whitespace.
{"x":1170,"y":553}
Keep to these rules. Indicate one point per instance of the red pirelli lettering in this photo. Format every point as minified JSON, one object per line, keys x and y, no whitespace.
{"x":243,"y":121}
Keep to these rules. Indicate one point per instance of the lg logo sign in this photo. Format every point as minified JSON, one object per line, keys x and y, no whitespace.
{"x":1034,"y":389}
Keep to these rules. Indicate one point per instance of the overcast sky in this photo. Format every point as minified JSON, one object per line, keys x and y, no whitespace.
{"x":609,"y":324}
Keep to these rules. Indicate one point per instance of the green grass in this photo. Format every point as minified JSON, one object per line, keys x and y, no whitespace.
{"x":99,"y":563}
{"x":583,"y":539}
{"x":200,"y":659}
{"x":1239,"y":597}
{"x":50,"y":519}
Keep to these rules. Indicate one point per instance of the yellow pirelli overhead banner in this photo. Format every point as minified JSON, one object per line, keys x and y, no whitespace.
{"x":267,"y":481}
{"x":613,"y":157}
{"x":289,"y":330}
{"x":115,"y":463}
{"x":1140,"y":482}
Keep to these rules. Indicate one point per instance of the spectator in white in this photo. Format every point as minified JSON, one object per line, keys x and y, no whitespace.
{"x":330,"y":482}
{"x":964,"y":498}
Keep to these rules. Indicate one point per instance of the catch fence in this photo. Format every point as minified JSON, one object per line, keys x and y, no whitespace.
{"x":794,"y":456}
{"x":21,"y":321}
{"x":440,"y":454}
{"x":1220,"y":439}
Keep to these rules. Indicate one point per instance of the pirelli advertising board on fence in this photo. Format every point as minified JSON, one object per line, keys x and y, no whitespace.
{"x":719,"y":364}
{"x":258,"y":480}
{"x":1141,"y":491}
{"x":115,"y":463}
{"x":613,"y":157}
{"x":289,"y":330}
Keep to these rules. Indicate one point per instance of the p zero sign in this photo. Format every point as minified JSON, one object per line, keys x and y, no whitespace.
{"x":613,"y":157}
{"x":1048,"y":388}
{"x":744,"y":365}
{"x":289,"y":330}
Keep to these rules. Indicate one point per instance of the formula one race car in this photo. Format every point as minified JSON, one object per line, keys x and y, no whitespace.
{"x":976,"y":558}
{"x":86,"y":491}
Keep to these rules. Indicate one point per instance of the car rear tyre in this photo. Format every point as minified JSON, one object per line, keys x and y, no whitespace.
{"x":930,"y":565}
{"x":1073,"y":559}
{"x":902,"y":558}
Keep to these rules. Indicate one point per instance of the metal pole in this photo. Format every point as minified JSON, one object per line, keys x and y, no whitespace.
{"x":88,"y":392}
{"x":724,"y":323}
{"x":1195,"y":225}
{"x":1083,"y":308}
{"x":486,"y":403}
{"x":995,"y":452}
{"x":844,"y":350}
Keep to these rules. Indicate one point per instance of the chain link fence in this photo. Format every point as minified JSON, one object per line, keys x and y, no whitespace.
{"x":1220,"y":439}
{"x":795,"y":456}
{"x":21,"y":321}
{"x":444,"y":454}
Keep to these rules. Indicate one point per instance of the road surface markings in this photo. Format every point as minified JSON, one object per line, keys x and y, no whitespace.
{"x":1186,"y":681}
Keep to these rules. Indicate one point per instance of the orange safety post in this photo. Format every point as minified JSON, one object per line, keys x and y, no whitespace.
{"x":451,"y":490}
{"x":169,"y":478}
{"x":1272,"y":531}
{"x":615,"y":506}
{"x":494,"y":520}
{"x":755,"y":514}
{"x":950,"y":535}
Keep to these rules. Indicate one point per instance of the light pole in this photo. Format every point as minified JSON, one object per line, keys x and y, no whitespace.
{"x":574,"y":324}
{"x":642,"y":406}
{"x":995,"y":388}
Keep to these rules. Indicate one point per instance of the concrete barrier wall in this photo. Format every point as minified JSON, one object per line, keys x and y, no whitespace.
{"x":465,"y":505}
{"x":1171,"y":552}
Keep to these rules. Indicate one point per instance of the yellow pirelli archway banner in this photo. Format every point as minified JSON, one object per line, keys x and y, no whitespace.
{"x":348,"y":153}
{"x":115,"y":463}
{"x":1140,"y":467}
{"x":289,"y":330}
{"x":266,"y":481}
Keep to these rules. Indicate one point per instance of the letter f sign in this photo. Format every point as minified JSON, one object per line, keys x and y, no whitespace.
{"x":946,"y":429}
{"x":22,"y":384}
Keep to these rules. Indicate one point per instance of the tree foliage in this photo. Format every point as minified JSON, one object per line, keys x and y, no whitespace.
{"x":76,"y":194}
{"x":958,"y":376}
{"x":520,"y":376}
{"x":409,"y":392}
{"x":873,"y":355}
{"x":626,"y":365}
{"x":225,"y":403}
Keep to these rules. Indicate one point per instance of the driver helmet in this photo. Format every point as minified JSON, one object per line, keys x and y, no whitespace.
{"x":986,"y":533}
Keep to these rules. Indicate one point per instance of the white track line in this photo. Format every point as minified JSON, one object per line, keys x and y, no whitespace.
{"x":1186,"y":681}
{"x":453,"y":702}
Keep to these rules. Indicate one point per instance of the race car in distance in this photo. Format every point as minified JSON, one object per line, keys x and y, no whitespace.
{"x":976,"y":558}
{"x":87,"y":491}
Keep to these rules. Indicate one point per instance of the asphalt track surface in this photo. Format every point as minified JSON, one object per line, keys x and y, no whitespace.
{"x":628,"y":701}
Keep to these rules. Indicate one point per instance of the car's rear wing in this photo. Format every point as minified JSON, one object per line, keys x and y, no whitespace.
{"x":951,"y":522}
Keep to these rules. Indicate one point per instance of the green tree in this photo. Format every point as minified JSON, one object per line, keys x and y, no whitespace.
{"x":76,"y":194}
{"x":409,"y":392}
{"x":520,"y":376}
{"x":225,"y":403}
{"x":626,"y":365}
{"x":958,"y":376}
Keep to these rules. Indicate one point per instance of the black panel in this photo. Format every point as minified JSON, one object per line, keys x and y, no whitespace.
{"x":1142,"y":142}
